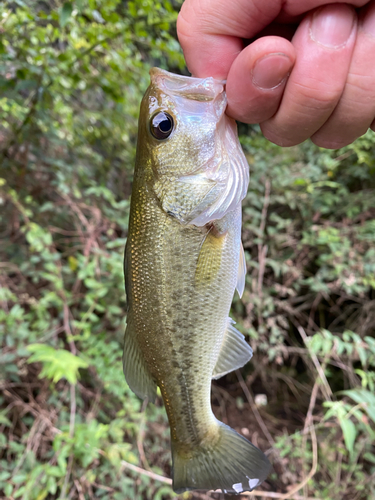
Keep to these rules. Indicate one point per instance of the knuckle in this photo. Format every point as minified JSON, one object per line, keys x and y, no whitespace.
{"x":318,"y":96}
{"x":361,"y":86}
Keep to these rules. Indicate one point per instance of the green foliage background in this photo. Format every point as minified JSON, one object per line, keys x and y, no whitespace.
{"x":71,"y":78}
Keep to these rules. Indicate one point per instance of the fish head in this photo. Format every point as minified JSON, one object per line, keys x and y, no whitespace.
{"x":191,"y":146}
{"x":195,"y":107}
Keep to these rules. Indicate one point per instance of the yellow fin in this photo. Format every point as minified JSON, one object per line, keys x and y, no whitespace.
{"x":209,"y":259}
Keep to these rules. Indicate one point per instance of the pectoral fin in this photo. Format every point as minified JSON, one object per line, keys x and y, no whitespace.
{"x":234,"y":353}
{"x":136,"y":373}
{"x":209,"y":259}
{"x":241,"y":272}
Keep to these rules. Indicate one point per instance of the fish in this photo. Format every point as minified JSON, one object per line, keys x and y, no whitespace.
{"x":183,"y":261}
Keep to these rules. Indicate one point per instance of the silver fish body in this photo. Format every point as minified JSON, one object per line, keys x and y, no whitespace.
{"x":183,"y":261}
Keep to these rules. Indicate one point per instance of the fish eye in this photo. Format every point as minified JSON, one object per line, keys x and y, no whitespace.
{"x":161,"y":125}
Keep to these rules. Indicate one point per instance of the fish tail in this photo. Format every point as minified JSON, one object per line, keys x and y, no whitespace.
{"x":228,"y":462}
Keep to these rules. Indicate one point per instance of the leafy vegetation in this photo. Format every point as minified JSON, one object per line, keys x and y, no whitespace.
{"x":71,"y":78}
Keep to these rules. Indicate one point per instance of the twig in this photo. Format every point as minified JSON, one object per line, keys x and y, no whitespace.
{"x":262,"y":254}
{"x":203,"y":496}
{"x":292,"y":494}
{"x":141,"y":435}
{"x":327,"y":389}
{"x":167,"y":480}
{"x":78,"y":486}
{"x":88,"y":238}
{"x":252,"y":404}
{"x":312,"y":472}
{"x":339,"y":468}
{"x":262,"y":249}
{"x":17,"y":401}
{"x":313,"y":310}
{"x":309,"y":419}
{"x":103,"y":487}
{"x":68,"y":330}
{"x":266,"y":202}
{"x":152,"y":475}
{"x":67,"y":476}
{"x":33,"y":432}
{"x":272,"y":494}
{"x":73,"y":408}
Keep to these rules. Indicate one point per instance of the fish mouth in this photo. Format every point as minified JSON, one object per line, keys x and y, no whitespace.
{"x":197,"y":89}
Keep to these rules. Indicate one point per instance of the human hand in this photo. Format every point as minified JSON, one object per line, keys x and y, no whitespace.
{"x":309,"y":70}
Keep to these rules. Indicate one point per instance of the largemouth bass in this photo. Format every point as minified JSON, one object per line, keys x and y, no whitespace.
{"x":183,"y":261}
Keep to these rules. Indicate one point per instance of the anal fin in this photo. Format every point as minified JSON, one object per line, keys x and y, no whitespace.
{"x":136,"y":373}
{"x":234,"y":353}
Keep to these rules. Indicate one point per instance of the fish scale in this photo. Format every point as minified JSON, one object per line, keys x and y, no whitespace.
{"x":183,"y":261}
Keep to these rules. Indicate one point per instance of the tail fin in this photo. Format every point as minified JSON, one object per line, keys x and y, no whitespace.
{"x":232,"y":464}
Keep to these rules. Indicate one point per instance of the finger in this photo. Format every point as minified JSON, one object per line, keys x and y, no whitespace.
{"x":257,"y":78}
{"x":356,"y":109}
{"x":211,"y":31}
{"x":297,"y":7}
{"x":324,"y":44}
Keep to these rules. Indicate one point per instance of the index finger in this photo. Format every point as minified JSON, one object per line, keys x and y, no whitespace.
{"x":211,"y":31}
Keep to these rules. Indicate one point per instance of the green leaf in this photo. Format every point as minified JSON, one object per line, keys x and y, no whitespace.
{"x":19,"y":492}
{"x":57,"y":363}
{"x":65,"y":13}
{"x":4,"y":475}
{"x":370,"y":410}
{"x":8,"y":489}
{"x":364,"y":397}
{"x":4,"y":420}
{"x":19,"y":478}
{"x":350,"y":432}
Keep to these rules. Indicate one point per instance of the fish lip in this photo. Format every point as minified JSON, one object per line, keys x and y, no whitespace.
{"x":207,"y":89}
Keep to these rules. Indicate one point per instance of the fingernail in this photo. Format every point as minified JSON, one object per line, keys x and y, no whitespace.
{"x":270,"y":71}
{"x":332,"y":25}
{"x":368,"y":22}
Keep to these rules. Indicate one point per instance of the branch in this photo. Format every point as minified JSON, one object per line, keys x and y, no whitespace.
{"x":152,"y":475}
{"x":327,"y":387}
{"x":252,"y":404}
